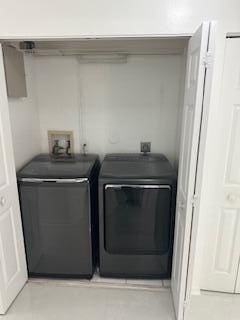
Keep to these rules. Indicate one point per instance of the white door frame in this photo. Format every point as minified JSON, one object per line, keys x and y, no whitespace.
{"x":219,"y":270}
{"x":212,"y":98}
{"x":196,"y":257}
{"x":204,"y":123}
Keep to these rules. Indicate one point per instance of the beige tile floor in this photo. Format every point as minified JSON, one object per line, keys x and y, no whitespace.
{"x":214,"y":306}
{"x":131,"y":283}
{"x":114,"y":299}
{"x":59,"y":300}
{"x":98,"y":281}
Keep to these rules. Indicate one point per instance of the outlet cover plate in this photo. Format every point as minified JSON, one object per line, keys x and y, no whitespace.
{"x":145,"y":147}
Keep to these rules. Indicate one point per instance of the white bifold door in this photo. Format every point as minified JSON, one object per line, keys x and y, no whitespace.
{"x":191,"y":124}
{"x":13,"y":270}
{"x":222,"y":248}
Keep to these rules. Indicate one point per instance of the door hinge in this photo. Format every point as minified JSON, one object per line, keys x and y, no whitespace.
{"x":185,"y":303}
{"x":208,"y":60}
{"x":194,"y":200}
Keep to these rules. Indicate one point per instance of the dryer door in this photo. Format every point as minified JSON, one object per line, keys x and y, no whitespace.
{"x":137,"y":219}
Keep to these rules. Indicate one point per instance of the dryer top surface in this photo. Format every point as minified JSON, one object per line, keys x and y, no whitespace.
{"x":136,"y":166}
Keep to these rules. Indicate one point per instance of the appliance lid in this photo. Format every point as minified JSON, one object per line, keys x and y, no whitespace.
{"x":43,"y":167}
{"x":137,"y":166}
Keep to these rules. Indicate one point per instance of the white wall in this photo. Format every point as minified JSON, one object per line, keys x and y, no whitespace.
{"x":107,"y":17}
{"x":24,"y":120}
{"x":58,"y":96}
{"x":112,"y":107}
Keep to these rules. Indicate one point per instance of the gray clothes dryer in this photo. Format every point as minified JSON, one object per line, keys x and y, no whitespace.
{"x":60,"y":215}
{"x":136,"y":215}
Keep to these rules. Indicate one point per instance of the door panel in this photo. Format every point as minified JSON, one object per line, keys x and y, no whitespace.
{"x":57,"y":235}
{"x":192,"y":111}
{"x":237,"y":287}
{"x":222,"y":247}
{"x":186,"y":148}
{"x":138,"y":219}
{"x":233,"y":167}
{"x":9,"y":255}
{"x":3,"y":173}
{"x":225,"y":240}
{"x":13,"y":270}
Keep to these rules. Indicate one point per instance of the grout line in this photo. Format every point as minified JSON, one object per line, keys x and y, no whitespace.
{"x":96,"y":284}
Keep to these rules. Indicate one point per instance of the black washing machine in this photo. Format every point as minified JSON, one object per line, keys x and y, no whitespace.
{"x":136,"y":215}
{"x":60,"y":215}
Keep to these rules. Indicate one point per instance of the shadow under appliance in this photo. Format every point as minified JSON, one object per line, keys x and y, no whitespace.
{"x":59,"y":213}
{"x":136,"y":215}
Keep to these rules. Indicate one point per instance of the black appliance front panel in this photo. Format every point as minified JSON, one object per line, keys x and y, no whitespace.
{"x":137,"y":219}
{"x":56,"y":221}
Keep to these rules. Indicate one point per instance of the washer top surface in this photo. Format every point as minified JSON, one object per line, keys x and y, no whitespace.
{"x":140,"y":166}
{"x":44,"y":166}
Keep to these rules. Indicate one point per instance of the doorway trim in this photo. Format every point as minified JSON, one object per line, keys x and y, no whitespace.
{"x":204,"y":123}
